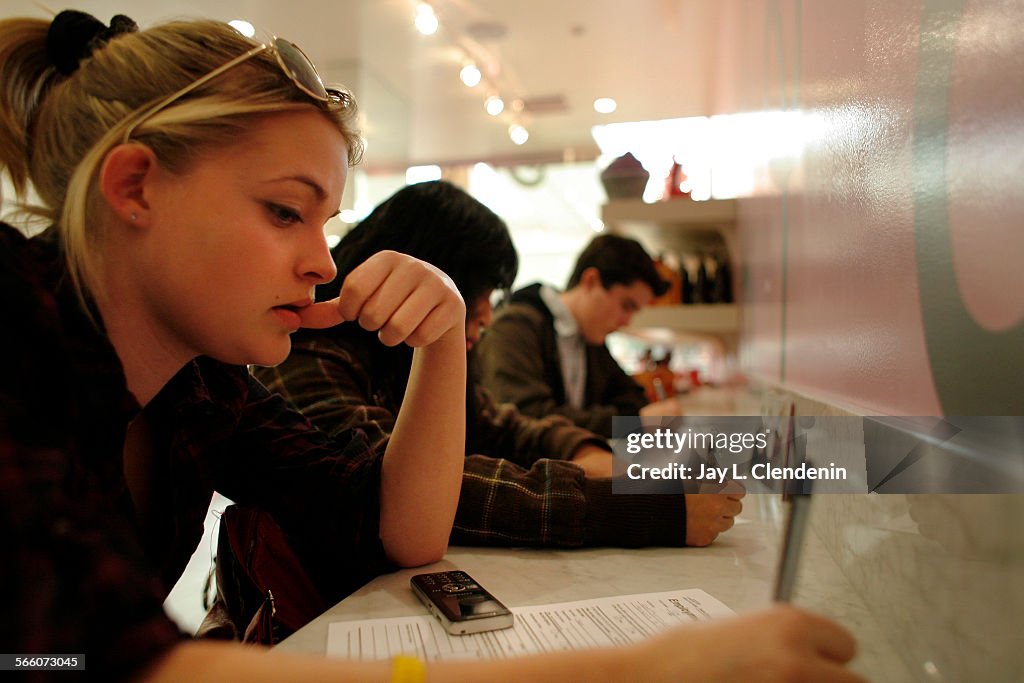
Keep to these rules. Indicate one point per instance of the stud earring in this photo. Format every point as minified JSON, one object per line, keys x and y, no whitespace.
{"x":134,"y":217}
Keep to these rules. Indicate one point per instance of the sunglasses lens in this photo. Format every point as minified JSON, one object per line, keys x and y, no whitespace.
{"x":297,"y":64}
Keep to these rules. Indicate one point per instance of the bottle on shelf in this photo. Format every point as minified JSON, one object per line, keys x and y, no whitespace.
{"x":687,"y":288}
{"x":722,"y":286}
{"x":667,"y":267}
{"x":701,"y":288}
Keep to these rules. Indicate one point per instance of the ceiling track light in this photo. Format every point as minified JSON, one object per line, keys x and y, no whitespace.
{"x":427,"y":23}
{"x":494,"y":105}
{"x":518,"y":134}
{"x":470,"y":75}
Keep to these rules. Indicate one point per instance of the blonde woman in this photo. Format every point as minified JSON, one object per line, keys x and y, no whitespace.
{"x":187,"y":173}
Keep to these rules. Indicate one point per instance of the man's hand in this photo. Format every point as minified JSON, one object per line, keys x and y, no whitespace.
{"x":595,"y":461}
{"x":709,"y":514}
{"x":663,"y":408}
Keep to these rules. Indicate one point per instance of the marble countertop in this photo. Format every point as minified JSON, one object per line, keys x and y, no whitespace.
{"x":739,"y":569}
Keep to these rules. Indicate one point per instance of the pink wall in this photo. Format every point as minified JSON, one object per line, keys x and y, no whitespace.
{"x":884,"y":260}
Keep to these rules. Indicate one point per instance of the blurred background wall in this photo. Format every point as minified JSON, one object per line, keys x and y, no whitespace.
{"x":881,"y":274}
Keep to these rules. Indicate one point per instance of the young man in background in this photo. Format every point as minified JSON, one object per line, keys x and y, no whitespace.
{"x":546,"y":351}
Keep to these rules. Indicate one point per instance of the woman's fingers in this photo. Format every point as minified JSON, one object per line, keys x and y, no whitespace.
{"x":418,"y":320}
{"x":321,"y":315}
{"x":404,"y":299}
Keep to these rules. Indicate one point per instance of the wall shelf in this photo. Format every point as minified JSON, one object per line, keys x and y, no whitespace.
{"x":686,"y":324}
{"x":677,"y":224}
{"x":683,"y":212}
{"x":680,"y":225}
{"x":689,"y":318}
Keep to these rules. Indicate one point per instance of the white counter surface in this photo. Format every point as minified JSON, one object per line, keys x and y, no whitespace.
{"x":738,"y":569}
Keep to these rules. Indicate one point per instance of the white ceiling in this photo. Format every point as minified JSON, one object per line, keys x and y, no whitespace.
{"x":654,"y":57}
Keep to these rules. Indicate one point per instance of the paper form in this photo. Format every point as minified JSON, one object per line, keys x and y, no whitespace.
{"x":600,"y":622}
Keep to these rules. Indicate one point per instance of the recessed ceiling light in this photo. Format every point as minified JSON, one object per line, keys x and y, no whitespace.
{"x":605,"y":105}
{"x":426,"y":20}
{"x":486,"y":30}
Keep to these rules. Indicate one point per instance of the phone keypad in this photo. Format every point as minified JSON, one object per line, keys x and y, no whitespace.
{"x":451,"y":582}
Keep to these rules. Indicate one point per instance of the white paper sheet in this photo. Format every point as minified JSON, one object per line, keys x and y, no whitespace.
{"x":576,"y":625}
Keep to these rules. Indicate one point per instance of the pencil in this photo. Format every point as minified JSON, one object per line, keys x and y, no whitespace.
{"x":789,"y":559}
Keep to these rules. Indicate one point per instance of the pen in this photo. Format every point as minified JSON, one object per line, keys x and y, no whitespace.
{"x":659,"y":389}
{"x":789,"y":559}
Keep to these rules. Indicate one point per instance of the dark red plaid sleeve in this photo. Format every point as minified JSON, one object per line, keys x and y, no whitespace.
{"x":72,"y":576}
{"x":323,"y":490}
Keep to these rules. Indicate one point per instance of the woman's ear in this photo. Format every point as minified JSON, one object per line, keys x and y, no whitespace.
{"x":124,"y":174}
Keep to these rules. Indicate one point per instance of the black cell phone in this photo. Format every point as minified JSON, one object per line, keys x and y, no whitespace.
{"x":461,"y":604}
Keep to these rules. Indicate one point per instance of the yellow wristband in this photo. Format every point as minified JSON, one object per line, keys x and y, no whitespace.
{"x":408,"y":670}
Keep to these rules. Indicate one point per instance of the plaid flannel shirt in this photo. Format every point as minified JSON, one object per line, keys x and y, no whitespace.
{"x":517,"y":486}
{"x":81,"y":571}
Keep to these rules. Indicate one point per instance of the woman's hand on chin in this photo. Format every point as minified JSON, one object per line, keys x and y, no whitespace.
{"x":402,"y":298}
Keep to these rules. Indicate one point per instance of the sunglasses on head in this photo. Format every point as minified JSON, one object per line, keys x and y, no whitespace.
{"x":293,"y":62}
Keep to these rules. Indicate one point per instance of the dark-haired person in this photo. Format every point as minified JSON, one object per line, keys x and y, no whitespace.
{"x":187,"y":172}
{"x":527,"y":481}
{"x":546,"y":351}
